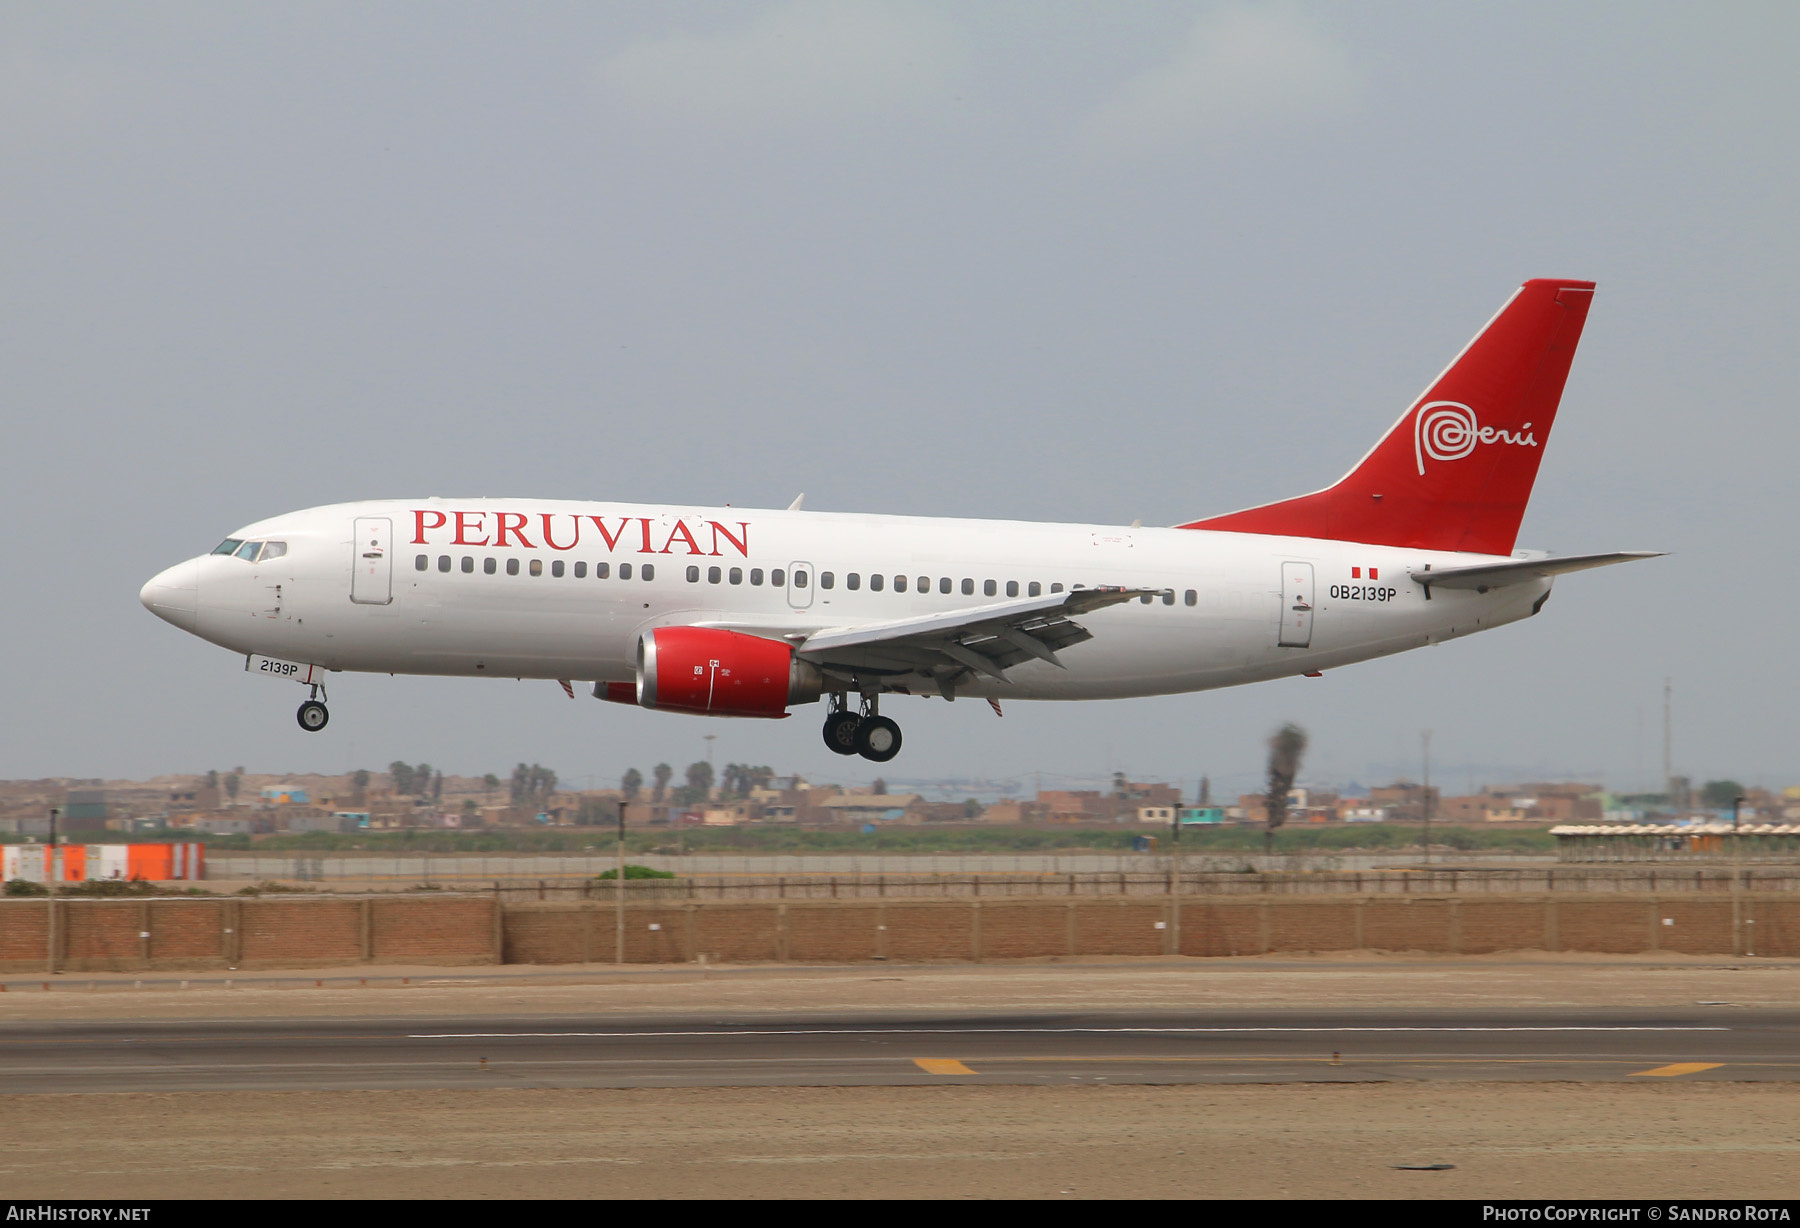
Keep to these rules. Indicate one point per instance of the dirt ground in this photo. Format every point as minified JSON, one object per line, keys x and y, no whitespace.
{"x":1546,"y":1140}
{"x":1559,"y":1141}
{"x":1359,"y":980}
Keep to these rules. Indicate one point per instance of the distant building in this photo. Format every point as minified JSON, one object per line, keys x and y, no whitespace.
{"x":870,"y":807}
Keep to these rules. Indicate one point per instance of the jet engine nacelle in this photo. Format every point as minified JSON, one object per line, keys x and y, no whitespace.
{"x":721,"y":673}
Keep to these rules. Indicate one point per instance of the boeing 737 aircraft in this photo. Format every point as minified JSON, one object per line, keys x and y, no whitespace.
{"x":728,"y":612}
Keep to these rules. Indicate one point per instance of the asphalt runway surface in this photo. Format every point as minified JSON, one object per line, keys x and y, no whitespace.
{"x":836,"y":1050}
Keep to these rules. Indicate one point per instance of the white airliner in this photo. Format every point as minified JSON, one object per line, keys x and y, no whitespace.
{"x":729,"y":612}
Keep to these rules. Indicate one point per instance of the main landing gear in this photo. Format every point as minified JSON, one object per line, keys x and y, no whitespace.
{"x":866,"y":733}
{"x":312,"y":715}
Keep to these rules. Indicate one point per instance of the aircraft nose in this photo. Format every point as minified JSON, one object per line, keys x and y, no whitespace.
{"x":174,"y":595}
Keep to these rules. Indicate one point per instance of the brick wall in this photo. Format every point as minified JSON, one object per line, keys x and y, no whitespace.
{"x":300,"y":933}
{"x":1024,"y":931}
{"x":187,"y":930}
{"x":1318,"y":925}
{"x":100,"y":935}
{"x":110,"y":935}
{"x":1215,"y":927}
{"x":449,"y":931}
{"x":104,"y":939}
{"x":1407,"y":925}
{"x":1117,"y":929}
{"x":1487,"y":926}
{"x":733,"y":933}
{"x":923,"y":931}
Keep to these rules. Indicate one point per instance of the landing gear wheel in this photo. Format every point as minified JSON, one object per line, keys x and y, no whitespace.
{"x":877,"y":739}
{"x":312,"y":716}
{"x":840,"y":732}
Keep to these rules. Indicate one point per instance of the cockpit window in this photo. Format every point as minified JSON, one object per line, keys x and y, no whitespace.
{"x":252,"y":552}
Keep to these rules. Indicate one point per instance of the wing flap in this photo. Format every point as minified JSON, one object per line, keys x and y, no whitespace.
{"x":988,"y":639}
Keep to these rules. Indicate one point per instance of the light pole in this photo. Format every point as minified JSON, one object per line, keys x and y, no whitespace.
{"x":50,"y":887}
{"x":619,"y":894}
{"x":1737,"y":873}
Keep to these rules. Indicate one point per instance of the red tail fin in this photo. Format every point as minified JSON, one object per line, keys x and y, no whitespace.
{"x":1455,"y":472}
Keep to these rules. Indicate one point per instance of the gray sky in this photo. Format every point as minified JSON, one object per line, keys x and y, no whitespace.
{"x":1048,"y":261}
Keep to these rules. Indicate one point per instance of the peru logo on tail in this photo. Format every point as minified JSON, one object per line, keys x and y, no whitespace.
{"x":1449,"y":431}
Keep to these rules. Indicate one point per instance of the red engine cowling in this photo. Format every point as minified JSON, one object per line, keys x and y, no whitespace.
{"x":721,"y":673}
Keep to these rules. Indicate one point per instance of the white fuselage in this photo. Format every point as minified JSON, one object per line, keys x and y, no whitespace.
{"x":488,"y":599}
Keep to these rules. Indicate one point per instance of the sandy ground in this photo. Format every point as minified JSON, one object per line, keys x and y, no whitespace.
{"x":1362,"y":980}
{"x":1507,"y":1141}
{"x":1549,"y":1140}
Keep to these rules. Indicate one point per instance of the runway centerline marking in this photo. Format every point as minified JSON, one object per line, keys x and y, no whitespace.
{"x":941,"y":1066}
{"x":1004,"y":1031}
{"x":1678,"y":1068}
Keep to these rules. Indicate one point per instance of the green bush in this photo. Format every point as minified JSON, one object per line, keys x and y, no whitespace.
{"x":633,"y":870}
{"x":24,"y":886}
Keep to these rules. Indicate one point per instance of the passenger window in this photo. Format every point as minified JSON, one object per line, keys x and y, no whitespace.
{"x":271,"y":550}
{"x":1056,"y":588}
{"x":968,"y":587}
{"x":537,"y":567}
{"x":1192,"y":597}
{"x":1168,"y":596}
{"x":556,"y":568}
{"x":1012,"y":588}
{"x":735,"y":575}
{"x":899,"y":584}
{"x":777,"y":577}
{"x":1145,"y":599}
{"x":988,"y":589}
{"x":422,"y":563}
{"x":444,"y":563}
{"x":826,"y":579}
{"x":853,"y":581}
{"x":924,"y":584}
{"x":624,"y":571}
{"x":468,"y":565}
{"x":714,"y":575}
{"x":649,"y":570}
{"x":487,"y":567}
{"x":756,"y":576}
{"x":602,"y":570}
{"x":1034,"y":590}
{"x":581,"y":571}
{"x":248,"y":550}
{"x":693,"y":574}
{"x":944,"y":585}
{"x":512,"y":567}
{"x":228,"y":546}
{"x":876,"y":581}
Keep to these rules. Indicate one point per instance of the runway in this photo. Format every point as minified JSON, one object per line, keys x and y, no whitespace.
{"x":891,"y":1049}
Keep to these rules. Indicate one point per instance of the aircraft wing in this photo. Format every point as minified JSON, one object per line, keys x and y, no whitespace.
{"x":986,"y":639}
{"x":1516,"y":571}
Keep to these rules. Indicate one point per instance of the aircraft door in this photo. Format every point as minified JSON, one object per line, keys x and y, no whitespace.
{"x":372,"y":576}
{"x":800,"y":585}
{"x":1296,"y":605}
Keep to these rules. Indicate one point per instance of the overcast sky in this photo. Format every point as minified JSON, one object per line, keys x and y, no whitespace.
{"x":1048,"y":261}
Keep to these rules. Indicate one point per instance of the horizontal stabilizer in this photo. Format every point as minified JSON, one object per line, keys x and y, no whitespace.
{"x":1518,"y":571}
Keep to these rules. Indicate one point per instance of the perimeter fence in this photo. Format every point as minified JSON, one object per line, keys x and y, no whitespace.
{"x":1141,"y":884}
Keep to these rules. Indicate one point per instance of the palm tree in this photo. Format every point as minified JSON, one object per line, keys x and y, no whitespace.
{"x":631,"y":783}
{"x":663,"y":773}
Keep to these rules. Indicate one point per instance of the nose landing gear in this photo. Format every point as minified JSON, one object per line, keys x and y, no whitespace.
{"x":312,"y":715}
{"x":866,"y":733}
